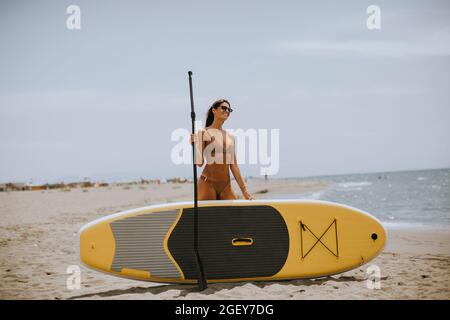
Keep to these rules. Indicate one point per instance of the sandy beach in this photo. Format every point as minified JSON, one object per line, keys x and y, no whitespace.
{"x":39,"y":242}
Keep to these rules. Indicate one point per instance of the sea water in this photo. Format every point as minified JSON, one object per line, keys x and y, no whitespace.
{"x":404,"y":198}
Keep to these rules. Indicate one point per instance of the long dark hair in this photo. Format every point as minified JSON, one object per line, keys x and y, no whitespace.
{"x":210,"y":114}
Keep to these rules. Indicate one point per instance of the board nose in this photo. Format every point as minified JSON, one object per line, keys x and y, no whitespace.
{"x":378,"y":236}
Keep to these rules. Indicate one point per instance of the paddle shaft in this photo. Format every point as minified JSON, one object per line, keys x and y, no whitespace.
{"x":201,"y":274}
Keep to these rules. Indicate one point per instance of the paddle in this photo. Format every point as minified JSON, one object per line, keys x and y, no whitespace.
{"x":201,"y":279}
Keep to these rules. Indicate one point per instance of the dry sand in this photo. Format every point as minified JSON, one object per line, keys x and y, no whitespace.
{"x":38,"y":242}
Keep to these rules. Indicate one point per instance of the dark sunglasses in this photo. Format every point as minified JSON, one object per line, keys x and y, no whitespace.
{"x":226,"y":109}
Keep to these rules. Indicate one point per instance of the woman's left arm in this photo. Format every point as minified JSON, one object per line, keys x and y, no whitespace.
{"x":237,"y":175}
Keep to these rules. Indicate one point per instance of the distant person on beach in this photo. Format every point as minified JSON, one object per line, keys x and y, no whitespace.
{"x":219,"y":149}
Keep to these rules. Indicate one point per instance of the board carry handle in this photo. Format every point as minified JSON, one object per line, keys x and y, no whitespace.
{"x":242,"y":242}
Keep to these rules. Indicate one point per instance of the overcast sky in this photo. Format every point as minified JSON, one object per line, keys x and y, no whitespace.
{"x":102,"y":102}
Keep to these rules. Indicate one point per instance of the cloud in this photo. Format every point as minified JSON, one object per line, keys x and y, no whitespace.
{"x":435,"y":44}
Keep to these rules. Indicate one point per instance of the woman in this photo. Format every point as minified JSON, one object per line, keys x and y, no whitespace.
{"x":218,"y":147}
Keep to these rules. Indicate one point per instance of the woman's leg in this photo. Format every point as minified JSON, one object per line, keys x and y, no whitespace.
{"x":206,"y":190}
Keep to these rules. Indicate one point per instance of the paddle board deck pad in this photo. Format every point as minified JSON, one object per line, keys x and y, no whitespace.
{"x":239,"y":240}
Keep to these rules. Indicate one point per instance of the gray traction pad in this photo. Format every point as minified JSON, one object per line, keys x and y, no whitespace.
{"x":139,"y":243}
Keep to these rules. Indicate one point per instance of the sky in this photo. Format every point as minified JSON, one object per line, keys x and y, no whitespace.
{"x":103,"y":101}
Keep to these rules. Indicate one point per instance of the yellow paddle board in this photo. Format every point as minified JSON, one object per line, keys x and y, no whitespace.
{"x":239,"y":240}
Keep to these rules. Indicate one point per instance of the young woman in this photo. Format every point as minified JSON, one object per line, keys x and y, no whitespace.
{"x":218,"y":148}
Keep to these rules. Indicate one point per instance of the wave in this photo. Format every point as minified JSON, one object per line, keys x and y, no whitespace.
{"x":354,"y":184}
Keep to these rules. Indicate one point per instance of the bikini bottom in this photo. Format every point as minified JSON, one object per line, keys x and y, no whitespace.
{"x":219,"y":187}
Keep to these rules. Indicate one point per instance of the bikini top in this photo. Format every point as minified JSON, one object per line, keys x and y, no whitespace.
{"x":219,"y":148}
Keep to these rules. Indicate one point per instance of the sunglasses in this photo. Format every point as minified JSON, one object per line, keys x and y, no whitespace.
{"x":224,"y":108}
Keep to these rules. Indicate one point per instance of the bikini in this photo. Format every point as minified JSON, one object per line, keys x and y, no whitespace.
{"x":217,"y":175}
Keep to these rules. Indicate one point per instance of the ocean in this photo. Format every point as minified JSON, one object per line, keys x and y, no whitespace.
{"x":404,"y":198}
